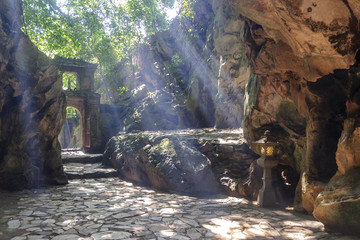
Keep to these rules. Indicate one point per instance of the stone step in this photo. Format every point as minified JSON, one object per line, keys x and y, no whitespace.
{"x":83,"y":158}
{"x":88,"y":171}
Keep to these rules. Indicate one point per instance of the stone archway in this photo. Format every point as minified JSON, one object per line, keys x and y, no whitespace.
{"x":84,"y":99}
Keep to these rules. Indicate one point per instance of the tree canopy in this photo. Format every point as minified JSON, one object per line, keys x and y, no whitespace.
{"x":97,"y":31}
{"x":88,"y":28}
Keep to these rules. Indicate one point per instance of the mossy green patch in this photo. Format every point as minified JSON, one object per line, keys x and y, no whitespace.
{"x":166,"y":146}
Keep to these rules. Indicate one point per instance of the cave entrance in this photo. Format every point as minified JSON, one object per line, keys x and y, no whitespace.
{"x":83,"y":105}
{"x":71,"y":134}
{"x":286,"y":179}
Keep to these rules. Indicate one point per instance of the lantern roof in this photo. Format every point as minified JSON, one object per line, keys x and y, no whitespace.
{"x":266,"y":138}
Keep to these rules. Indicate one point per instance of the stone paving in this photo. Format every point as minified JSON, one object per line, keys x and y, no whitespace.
{"x":79,"y":165}
{"x":114,"y":209}
{"x":88,"y":170}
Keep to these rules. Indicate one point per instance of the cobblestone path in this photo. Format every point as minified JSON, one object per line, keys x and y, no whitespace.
{"x":114,"y":209}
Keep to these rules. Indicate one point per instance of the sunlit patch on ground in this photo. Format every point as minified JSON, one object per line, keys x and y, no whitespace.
{"x":114,"y":209}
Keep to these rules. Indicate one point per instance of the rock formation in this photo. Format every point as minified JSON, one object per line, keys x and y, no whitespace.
{"x":304,"y":89}
{"x":234,"y":67}
{"x":302,"y":83}
{"x":201,"y":79}
{"x":31,"y":108}
{"x":337,"y":206}
{"x":206,"y":161}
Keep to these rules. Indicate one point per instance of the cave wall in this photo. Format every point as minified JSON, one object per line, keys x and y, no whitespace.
{"x":300,"y":79}
{"x":303,"y":88}
{"x":32,"y":108}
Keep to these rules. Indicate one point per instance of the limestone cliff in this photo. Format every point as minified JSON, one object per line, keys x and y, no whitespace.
{"x":31,"y":108}
{"x":191,"y":76}
{"x":305,"y":86}
{"x":234,"y":69}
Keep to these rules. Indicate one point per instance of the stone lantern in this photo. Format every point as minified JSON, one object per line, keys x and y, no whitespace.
{"x":269,"y":149}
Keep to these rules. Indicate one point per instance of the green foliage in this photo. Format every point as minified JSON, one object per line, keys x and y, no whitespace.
{"x":97,"y":31}
{"x":123,"y":90}
{"x":71,"y":112}
{"x":69,"y":81}
{"x":166,"y":147}
{"x":176,"y":60}
{"x":189,"y":22}
{"x":187,"y":10}
{"x":92,"y":29}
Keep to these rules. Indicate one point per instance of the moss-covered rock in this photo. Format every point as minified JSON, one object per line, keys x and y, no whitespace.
{"x":338,"y":206}
{"x":204,"y":161}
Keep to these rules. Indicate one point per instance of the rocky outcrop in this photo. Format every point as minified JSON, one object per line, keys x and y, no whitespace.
{"x":31,"y":108}
{"x":317,"y":38}
{"x":203,"y":161}
{"x":234,"y":69}
{"x":200,"y":64}
{"x":303,"y":86}
{"x":338,"y":205}
{"x":161,"y":92}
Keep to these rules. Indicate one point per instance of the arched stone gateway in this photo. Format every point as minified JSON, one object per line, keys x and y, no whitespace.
{"x":84,"y":99}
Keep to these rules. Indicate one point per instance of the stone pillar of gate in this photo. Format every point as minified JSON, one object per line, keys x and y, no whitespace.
{"x":93,"y":120}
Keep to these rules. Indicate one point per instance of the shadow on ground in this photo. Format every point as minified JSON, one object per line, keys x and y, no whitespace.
{"x":115,"y":209}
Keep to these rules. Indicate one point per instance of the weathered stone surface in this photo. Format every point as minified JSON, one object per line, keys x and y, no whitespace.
{"x":76,"y":157}
{"x":90,"y":170}
{"x":109,"y":208}
{"x":348,"y":151}
{"x":31,"y":108}
{"x":320,"y":39}
{"x":296,"y":49}
{"x":182,"y":81}
{"x":111,"y":235}
{"x":14,"y":224}
{"x":234,"y":67}
{"x":309,"y":191}
{"x":165,"y":162}
{"x":67,"y":237}
{"x":155,"y":110}
{"x":187,"y":161}
{"x":173,"y":91}
{"x":338,"y":206}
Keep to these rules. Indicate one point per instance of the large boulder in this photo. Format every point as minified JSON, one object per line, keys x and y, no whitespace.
{"x":164,"y":162}
{"x":32,"y":108}
{"x":339,"y":204}
{"x":206,"y":161}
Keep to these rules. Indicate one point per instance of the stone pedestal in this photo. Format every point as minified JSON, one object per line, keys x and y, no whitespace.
{"x":266,"y":197}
